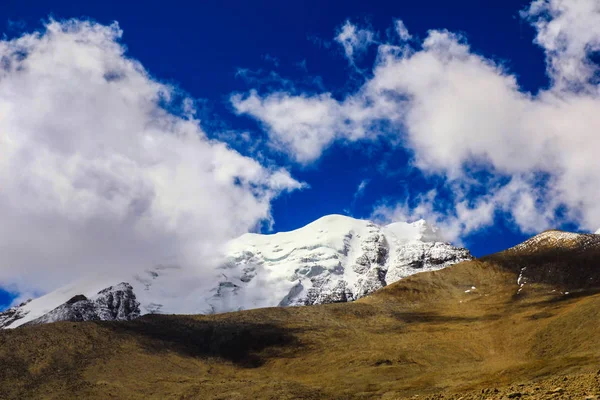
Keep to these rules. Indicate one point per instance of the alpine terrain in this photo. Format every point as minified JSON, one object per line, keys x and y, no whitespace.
{"x":334,"y":259}
{"x":522,"y":323}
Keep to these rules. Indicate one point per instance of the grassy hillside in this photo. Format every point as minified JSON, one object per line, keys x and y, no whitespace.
{"x":430,"y":335}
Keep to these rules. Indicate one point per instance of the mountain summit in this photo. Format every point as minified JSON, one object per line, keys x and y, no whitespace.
{"x":333,"y":259}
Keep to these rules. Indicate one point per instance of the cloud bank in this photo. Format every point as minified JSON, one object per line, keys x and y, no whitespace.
{"x":104,"y":168}
{"x":533,"y":157}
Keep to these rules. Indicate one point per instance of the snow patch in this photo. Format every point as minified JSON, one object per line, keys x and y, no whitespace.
{"x":521,"y":280}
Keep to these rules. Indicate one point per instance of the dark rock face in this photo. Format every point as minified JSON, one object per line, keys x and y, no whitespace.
{"x":115,"y":303}
{"x":76,"y":299}
{"x":340,"y":293}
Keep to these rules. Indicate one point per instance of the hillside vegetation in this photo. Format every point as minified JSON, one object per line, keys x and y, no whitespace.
{"x":522,"y":323}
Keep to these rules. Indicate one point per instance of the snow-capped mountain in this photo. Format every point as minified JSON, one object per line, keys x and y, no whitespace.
{"x":115,"y":303}
{"x":334,"y":259}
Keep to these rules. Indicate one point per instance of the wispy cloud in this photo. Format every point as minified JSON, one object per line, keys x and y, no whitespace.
{"x":401,"y":30}
{"x":319,"y":41}
{"x":271,"y":59}
{"x":361,"y":188}
{"x":302,"y":65}
{"x":355,"y":41}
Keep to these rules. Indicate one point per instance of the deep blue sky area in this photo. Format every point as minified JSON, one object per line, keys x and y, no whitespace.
{"x":5,"y":299}
{"x":200,"y":45}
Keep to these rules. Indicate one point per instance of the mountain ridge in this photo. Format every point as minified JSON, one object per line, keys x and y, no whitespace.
{"x":333,"y":259}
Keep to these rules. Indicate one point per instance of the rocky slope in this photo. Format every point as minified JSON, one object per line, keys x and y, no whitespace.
{"x":569,"y":261}
{"x":334,"y":259}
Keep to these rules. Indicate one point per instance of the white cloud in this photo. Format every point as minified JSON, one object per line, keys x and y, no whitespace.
{"x":302,"y":126}
{"x":569,"y":30}
{"x":463,"y":215}
{"x":97,"y":174}
{"x":462,"y":114}
{"x":361,"y":188}
{"x":355,"y":41}
{"x":401,"y":30}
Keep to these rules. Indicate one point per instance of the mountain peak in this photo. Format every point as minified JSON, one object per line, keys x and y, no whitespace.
{"x":419,"y":230}
{"x":334,"y":224}
{"x":333,"y":259}
{"x":558,"y":240}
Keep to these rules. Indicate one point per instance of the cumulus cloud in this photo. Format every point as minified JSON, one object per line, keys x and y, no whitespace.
{"x":464,"y":116}
{"x":464,"y":215}
{"x":104,"y":168}
{"x":302,"y":126}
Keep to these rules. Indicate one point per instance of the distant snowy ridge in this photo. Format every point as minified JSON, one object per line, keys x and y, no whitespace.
{"x":558,"y":240}
{"x":333,"y":259}
{"x":115,"y":303}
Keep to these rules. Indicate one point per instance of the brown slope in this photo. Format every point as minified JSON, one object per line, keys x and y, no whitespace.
{"x":423,"y":335}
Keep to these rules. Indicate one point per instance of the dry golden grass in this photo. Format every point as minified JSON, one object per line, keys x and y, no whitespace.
{"x":423,"y":335}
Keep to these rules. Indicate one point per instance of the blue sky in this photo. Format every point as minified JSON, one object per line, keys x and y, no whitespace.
{"x":211,"y":50}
